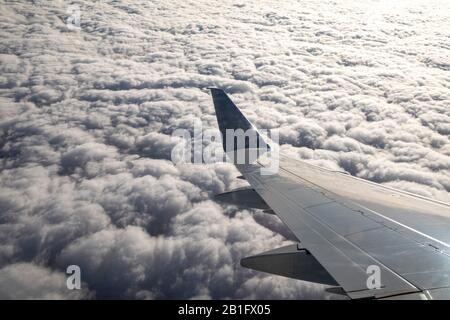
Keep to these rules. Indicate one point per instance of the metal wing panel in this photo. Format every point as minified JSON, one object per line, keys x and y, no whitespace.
{"x":424,"y":259}
{"x":344,"y":261}
{"x":336,"y":216}
{"x":346,"y":238}
{"x":349,"y":223}
{"x":421,"y":214}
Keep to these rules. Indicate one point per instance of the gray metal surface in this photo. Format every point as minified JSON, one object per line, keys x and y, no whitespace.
{"x":349,"y":224}
{"x":408,"y":258}
{"x":346,"y":262}
{"x":290,"y":261}
{"x":243,"y":197}
{"x":404,"y":241}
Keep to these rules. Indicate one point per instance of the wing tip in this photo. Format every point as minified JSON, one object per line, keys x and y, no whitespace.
{"x":215,"y":89}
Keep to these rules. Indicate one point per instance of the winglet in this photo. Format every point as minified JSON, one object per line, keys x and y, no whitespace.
{"x":230,"y":117}
{"x":227,"y":113}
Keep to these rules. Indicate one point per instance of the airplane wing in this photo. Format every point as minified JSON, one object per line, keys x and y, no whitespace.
{"x":370,"y":240}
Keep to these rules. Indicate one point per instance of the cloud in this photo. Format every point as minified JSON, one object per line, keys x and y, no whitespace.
{"x":26,"y":281}
{"x":87,"y":119}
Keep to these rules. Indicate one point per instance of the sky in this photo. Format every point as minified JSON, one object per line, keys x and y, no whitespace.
{"x":88,"y":111}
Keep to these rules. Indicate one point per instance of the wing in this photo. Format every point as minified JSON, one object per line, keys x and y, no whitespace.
{"x":371,"y":240}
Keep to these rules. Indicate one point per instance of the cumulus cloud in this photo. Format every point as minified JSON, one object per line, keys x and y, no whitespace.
{"x":87,"y":119}
{"x":27,"y":281}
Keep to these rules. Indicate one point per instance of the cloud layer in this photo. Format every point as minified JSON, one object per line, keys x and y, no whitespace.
{"x":86,"y":119}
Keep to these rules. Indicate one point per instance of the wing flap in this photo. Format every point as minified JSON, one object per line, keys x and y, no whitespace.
{"x":292,"y":262}
{"x":243,"y":197}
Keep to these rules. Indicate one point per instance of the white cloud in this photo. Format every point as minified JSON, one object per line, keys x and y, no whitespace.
{"x":28,"y":281}
{"x":87,"y":117}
